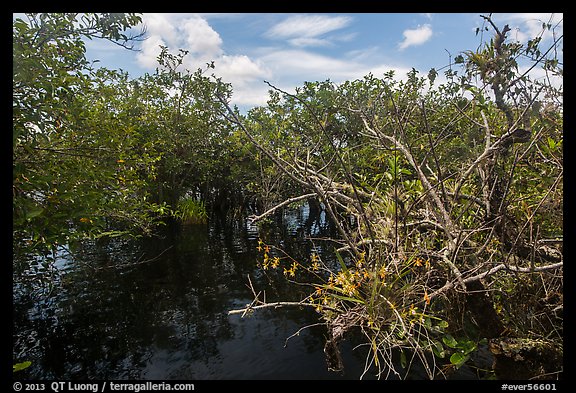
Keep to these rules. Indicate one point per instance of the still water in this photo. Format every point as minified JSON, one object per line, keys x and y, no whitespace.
{"x":157,"y":309}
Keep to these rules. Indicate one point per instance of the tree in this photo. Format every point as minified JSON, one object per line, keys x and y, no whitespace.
{"x":70,"y":176}
{"x":180,"y":117}
{"x":440,"y":202}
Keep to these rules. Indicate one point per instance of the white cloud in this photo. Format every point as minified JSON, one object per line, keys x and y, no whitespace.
{"x":416,"y":36}
{"x":240,"y":69}
{"x":308,"y":25}
{"x":306,"y":30}
{"x":161,"y":25}
{"x":292,"y":64}
{"x":309,"y":41}
{"x":201,"y":39}
{"x":529,"y":25}
{"x":251,"y":95}
{"x":149,"y":51}
{"x":295,"y":63}
{"x":179,"y":31}
{"x":193,"y":33}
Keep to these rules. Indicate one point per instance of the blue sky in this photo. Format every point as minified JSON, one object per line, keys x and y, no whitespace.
{"x":288,"y":49}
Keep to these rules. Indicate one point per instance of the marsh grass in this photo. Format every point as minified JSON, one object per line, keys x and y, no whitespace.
{"x":191,"y":211}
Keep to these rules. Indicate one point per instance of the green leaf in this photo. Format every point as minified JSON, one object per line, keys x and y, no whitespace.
{"x":21,"y":366}
{"x":450,"y":341}
{"x":403,"y":360}
{"x":432,"y":74}
{"x":341,"y":261}
{"x":551,"y":143}
{"x":438,"y":349}
{"x":348,"y":299}
{"x":34,"y":213}
{"x":467,"y":346}
{"x":458,"y":359}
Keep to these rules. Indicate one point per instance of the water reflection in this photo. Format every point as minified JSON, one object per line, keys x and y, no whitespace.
{"x":157,"y":309}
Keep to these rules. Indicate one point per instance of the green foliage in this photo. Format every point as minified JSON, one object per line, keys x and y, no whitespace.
{"x":462,"y":349}
{"x":96,"y":153}
{"x":74,"y":174}
{"x":21,"y":366}
{"x":179,"y":116}
{"x":191,"y":211}
{"x":423,"y":182}
{"x":439,"y":191}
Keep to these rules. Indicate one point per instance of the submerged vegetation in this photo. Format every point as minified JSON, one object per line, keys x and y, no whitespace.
{"x":447,"y":198}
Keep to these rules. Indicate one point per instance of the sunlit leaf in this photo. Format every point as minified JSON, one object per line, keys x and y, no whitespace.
{"x":450,"y":341}
{"x":458,"y":359}
{"x":21,"y":366}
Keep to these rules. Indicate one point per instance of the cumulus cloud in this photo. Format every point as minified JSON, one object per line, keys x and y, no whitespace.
{"x":307,"y":30}
{"x":285,"y":68}
{"x":189,"y":32}
{"x":161,"y":25}
{"x":193,"y":33}
{"x":416,"y":36}
{"x":529,"y":25}
{"x":149,"y":51}
{"x":201,"y":39}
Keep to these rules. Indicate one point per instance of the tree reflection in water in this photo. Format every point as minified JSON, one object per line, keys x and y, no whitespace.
{"x":157,"y":309}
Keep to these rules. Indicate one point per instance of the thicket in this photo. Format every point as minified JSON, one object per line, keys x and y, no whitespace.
{"x":448,"y":203}
{"x":447,"y":198}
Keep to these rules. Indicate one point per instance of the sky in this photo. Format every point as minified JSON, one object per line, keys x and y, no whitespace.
{"x":289,"y":49}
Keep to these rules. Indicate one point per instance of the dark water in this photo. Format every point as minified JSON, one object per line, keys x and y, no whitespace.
{"x":157,"y":309}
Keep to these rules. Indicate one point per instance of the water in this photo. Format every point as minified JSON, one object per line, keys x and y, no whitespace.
{"x":158,"y":309}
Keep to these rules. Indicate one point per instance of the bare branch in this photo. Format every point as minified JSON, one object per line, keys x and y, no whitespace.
{"x":449,"y":285}
{"x":255,"y":218}
{"x":283,"y":165}
{"x":444,"y":217}
{"x":300,"y":330}
{"x":529,"y":220}
{"x":249,"y":307}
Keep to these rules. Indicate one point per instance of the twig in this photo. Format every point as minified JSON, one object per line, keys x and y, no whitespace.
{"x":302,"y":328}
{"x":280,"y":304}
{"x":450,"y":285}
{"x":133,"y":263}
{"x":252,"y":287}
{"x":255,"y":218}
{"x":366,"y":241}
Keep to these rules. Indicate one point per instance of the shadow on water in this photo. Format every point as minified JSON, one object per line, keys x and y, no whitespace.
{"x":157,"y":309}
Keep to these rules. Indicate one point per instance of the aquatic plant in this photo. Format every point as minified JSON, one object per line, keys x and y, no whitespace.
{"x":191,"y":211}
